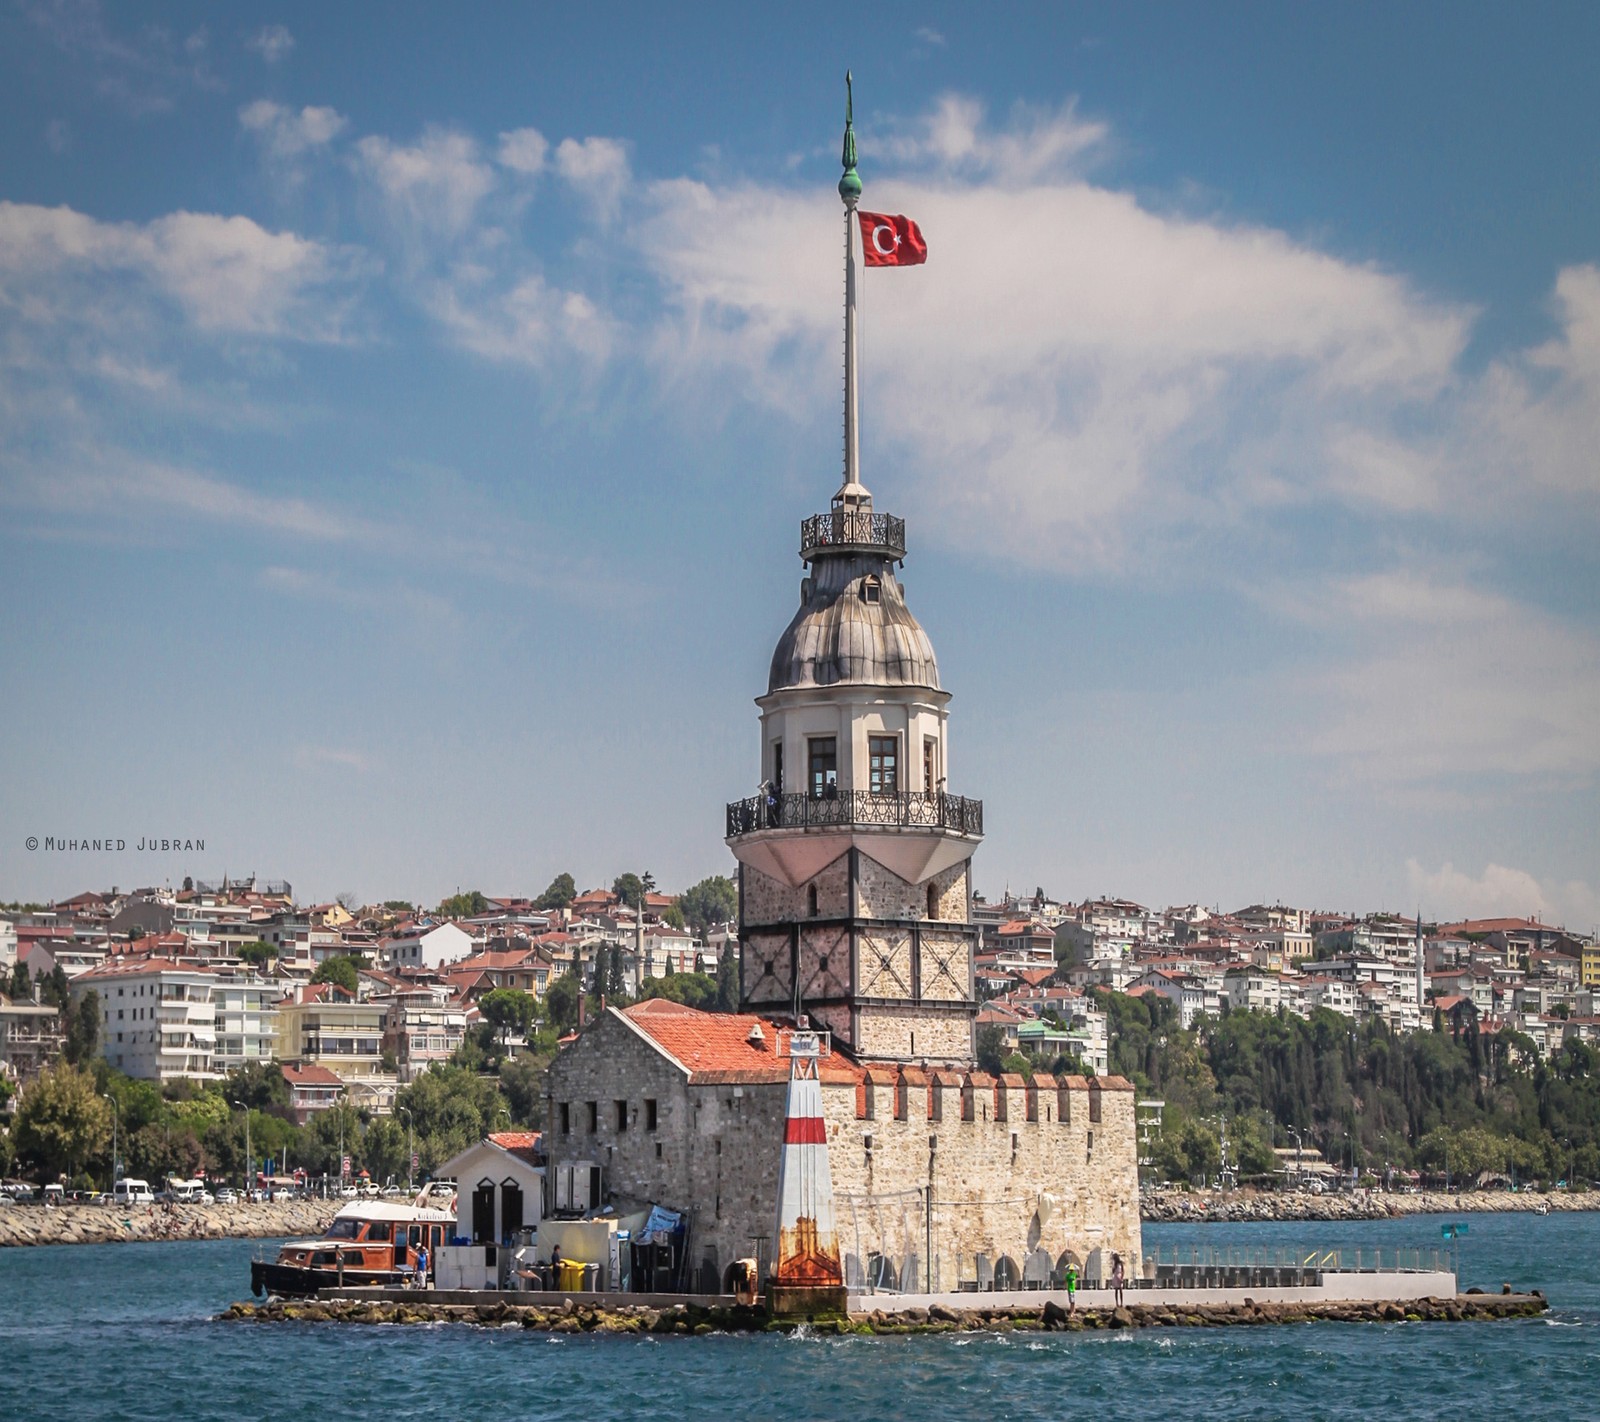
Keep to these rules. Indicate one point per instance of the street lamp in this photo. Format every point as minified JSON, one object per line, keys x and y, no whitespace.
{"x":1299,"y":1147}
{"x":116,"y":1120}
{"x":411,"y":1139}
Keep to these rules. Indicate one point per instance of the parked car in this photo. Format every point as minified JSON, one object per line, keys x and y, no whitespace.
{"x":225,"y":1195}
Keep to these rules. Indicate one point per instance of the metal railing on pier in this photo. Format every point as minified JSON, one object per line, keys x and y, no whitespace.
{"x":1345,"y":1259}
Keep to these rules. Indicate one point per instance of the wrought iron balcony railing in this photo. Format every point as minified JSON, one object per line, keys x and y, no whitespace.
{"x":854,"y":528}
{"x":848,"y":808}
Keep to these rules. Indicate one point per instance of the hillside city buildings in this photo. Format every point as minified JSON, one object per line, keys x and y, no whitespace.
{"x":177,"y":1001}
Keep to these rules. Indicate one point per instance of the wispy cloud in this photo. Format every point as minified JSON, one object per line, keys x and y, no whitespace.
{"x":143,"y":72}
{"x":597,"y":170}
{"x":272,"y":42}
{"x":1444,"y":681}
{"x":312,"y":757}
{"x":112,"y":484}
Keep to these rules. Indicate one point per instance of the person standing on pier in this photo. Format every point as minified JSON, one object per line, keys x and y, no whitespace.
{"x":1119,"y":1276}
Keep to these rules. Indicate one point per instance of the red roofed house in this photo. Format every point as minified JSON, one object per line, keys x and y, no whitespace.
{"x":311,"y":1089}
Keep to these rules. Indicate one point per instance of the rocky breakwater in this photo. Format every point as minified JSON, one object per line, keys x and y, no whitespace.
{"x":1178,"y":1206}
{"x":572,"y":1316}
{"x":107,"y":1224}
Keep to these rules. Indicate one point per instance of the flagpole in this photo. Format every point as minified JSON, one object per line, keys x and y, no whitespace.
{"x":850,"y":192}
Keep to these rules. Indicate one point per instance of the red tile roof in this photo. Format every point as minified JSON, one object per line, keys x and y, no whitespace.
{"x":310,"y":1076}
{"x":711,"y":1044}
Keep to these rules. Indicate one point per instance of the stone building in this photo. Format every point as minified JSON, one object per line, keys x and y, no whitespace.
{"x":854,"y":918}
{"x":659,"y":1104}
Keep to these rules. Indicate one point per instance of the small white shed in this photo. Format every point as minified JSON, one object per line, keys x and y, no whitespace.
{"x":499,"y":1195}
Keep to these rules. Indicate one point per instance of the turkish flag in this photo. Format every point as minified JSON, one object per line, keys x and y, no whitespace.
{"x":889,"y":241}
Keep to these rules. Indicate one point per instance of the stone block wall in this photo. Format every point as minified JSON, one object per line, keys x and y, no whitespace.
{"x":990,"y":1151}
{"x":881,"y":893}
{"x":769,"y":900}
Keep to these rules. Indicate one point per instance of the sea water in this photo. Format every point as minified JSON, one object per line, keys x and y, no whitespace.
{"x":92,"y":1332}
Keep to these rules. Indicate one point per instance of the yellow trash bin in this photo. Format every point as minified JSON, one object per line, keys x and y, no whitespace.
{"x":571,"y":1277}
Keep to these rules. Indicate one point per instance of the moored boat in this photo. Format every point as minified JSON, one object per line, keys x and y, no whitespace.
{"x":368,"y":1242}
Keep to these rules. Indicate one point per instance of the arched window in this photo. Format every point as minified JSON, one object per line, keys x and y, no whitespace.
{"x":871,"y":589}
{"x":933,"y":901}
{"x":811,"y":900}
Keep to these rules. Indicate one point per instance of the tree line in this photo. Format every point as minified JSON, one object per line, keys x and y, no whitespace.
{"x":1450,"y":1099}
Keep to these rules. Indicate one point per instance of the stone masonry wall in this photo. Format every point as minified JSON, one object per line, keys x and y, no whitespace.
{"x":881,"y":893}
{"x":713,"y":1154}
{"x":904,"y":1034}
{"x":987,"y":1172}
{"x":769,"y":900}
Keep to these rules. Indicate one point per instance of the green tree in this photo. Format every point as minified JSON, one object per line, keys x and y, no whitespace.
{"x":61,"y":1122}
{"x":21,"y":988}
{"x":467,"y":905}
{"x":509,"y":1010}
{"x":81,"y":1041}
{"x":522,"y":1081}
{"x":672,"y":915}
{"x":630,"y":888}
{"x":728,"y":979}
{"x":340,"y":971}
{"x":257,"y":953}
{"x":561,"y":1001}
{"x":991,"y":1048}
{"x":55,"y":989}
{"x":616,"y":986}
{"x":452,"y":1108}
{"x":562,"y":891}
{"x":698,"y":990}
{"x":258,"y":1086}
{"x":709,"y":903}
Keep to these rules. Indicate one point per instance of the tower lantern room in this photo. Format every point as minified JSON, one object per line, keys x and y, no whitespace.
{"x":854,"y":857}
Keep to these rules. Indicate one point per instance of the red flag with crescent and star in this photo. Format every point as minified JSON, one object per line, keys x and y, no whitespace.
{"x":891,"y":241}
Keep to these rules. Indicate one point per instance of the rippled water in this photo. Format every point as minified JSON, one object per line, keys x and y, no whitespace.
{"x":124,"y":1332}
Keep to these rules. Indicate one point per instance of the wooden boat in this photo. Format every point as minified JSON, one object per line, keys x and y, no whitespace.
{"x":368,"y":1242}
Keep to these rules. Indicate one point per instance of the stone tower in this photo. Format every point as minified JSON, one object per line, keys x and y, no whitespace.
{"x":854,"y":878}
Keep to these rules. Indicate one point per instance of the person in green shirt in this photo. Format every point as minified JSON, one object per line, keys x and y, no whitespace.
{"x":1072,"y":1286}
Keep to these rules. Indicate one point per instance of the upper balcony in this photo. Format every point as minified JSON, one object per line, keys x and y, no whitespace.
{"x":915,"y":835}
{"x":853,"y":809}
{"x":853,"y":530}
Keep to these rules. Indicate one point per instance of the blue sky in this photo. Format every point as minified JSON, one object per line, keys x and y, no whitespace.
{"x":405,"y":421}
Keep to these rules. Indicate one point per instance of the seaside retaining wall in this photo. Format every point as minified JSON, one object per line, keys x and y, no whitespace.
{"x":106,"y":1224}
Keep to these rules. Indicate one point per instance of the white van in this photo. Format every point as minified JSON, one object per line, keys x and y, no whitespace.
{"x":188,"y":1192}
{"x":132,"y":1192}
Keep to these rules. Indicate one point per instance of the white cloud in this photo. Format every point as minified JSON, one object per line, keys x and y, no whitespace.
{"x":272,"y":42}
{"x":597,"y":169}
{"x":930,"y":36}
{"x":1446,"y":680}
{"x":528,"y":323}
{"x":523,"y":150}
{"x":115,"y":484}
{"x":1451,"y":894}
{"x":955,"y":137}
{"x":431,"y":189}
{"x":227,"y":274}
{"x":1082,"y":375}
{"x":286,"y":133}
